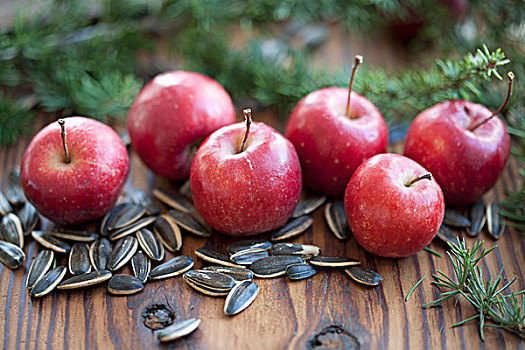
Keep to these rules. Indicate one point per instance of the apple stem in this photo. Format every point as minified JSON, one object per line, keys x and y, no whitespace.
{"x":510,"y":77}
{"x":248,"y":118}
{"x":427,"y":176}
{"x":63,"y":133}
{"x":357,"y":61}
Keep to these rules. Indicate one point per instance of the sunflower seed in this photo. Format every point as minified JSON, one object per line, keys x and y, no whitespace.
{"x":247,"y":257}
{"x":308,"y":206}
{"x":236,"y":273}
{"x":171,"y":268}
{"x":274,"y":266}
{"x":139,"y":197}
{"x":247,"y":245}
{"x":85,"y":280}
{"x":39,"y":267}
{"x":335,"y":217}
{"x":50,"y":242}
{"x":48,"y":282}
{"x":293,"y":228}
{"x":141,"y":266}
{"x":124,"y":285}
{"x":304,"y":250}
{"x":477,"y":218}
{"x":122,"y":252}
{"x":214,"y":257}
{"x":364,"y":276}
{"x":28,"y":217}
{"x":109,"y":217}
{"x":495,"y":226}
{"x":447,"y":235}
{"x":134,"y":227}
{"x":333,"y":261}
{"x":454,"y":218}
{"x":300,"y":271}
{"x":14,"y":176}
{"x":240,"y":297}
{"x":129,"y":214}
{"x":75,"y":236}
{"x":5,"y":206}
{"x":168,"y":232}
{"x":189,"y":223}
{"x":173,"y":199}
{"x":11,"y":230}
{"x":211,"y":279}
{"x":79,"y":259}
{"x":99,"y":253}
{"x":11,"y":255}
{"x":15,"y":195}
{"x":214,"y":292}
{"x":150,"y":244}
{"x":185,"y":190}
{"x":178,"y":330}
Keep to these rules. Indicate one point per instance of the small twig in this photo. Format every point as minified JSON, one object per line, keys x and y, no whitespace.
{"x":248,"y":118}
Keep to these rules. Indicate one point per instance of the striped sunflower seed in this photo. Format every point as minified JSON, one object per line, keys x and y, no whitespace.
{"x":173,"y":199}
{"x":28,"y":217}
{"x":236,"y":273}
{"x":99,"y":253}
{"x":189,"y":223}
{"x":48,"y":282}
{"x":11,"y":230}
{"x":274,"y":266}
{"x":139,"y":197}
{"x":50,"y":242}
{"x":308,"y":206}
{"x":247,"y":257}
{"x":85,"y":280}
{"x":75,"y":236}
{"x":248,"y":245}
{"x":177,"y":330}
{"x":171,"y":268}
{"x":333,"y":261}
{"x":495,"y":225}
{"x":11,"y":255}
{"x":210,"y":279}
{"x":205,"y":289}
{"x":364,"y":276}
{"x":335,"y":217}
{"x":300,"y":271}
{"x":477,"y":218}
{"x":124,"y":285}
{"x":79,"y":259}
{"x":303,"y":250}
{"x":122,"y":252}
{"x":109,"y":217}
{"x":39,"y":267}
{"x":134,"y":227}
{"x":293,"y":228}
{"x":150,"y":244}
{"x":5,"y":206}
{"x":127,"y":215}
{"x":447,"y":235}
{"x":15,"y":195}
{"x":141,"y":266}
{"x":240,"y":297}
{"x":168,"y":232}
{"x":214,"y":257}
{"x":455,"y":218}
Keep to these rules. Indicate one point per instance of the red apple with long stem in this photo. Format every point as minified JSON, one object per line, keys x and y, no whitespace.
{"x":246,"y":179}
{"x":463,"y":144}
{"x":75,"y":178}
{"x":393,"y":206}
{"x":170,"y":117}
{"x":334,"y":130}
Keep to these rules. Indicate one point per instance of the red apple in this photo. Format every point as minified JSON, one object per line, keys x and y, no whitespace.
{"x":330,"y":144}
{"x":86,"y":187}
{"x":171,"y":115}
{"x":465,"y":163}
{"x":248,"y":192}
{"x":393,"y":206}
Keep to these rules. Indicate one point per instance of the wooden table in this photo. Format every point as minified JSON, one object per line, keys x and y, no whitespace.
{"x":326,"y":311}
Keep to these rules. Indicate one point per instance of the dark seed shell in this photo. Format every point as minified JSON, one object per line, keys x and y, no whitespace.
{"x":11,"y":255}
{"x":11,"y":230}
{"x":75,"y":236}
{"x":5,"y":206}
{"x":128,"y":214}
{"x":171,"y":268}
{"x":214,"y":257}
{"x":134,"y":227}
{"x":109,"y":217}
{"x":39,"y":267}
{"x":79,"y":259}
{"x":173,"y":199}
{"x":122,"y":252}
{"x":15,"y":195}
{"x":189,"y":223}
{"x":99,"y":253}
{"x":364,"y":276}
{"x":308,"y":206}
{"x":333,"y":261}
{"x":28,"y":217}
{"x":300,"y":271}
{"x":139,"y":197}
{"x":211,"y":279}
{"x":247,"y":245}
{"x":247,"y":257}
{"x":178,"y":330}
{"x":185,"y":190}
{"x":236,"y":273}
{"x":447,"y":235}
{"x":214,"y":292}
{"x":150,"y":244}
{"x":48,"y":282}
{"x":168,"y":232}
{"x":335,"y":217}
{"x":477,"y":218}
{"x":293,"y":228}
{"x":85,"y":280}
{"x":240,"y":297}
{"x":274,"y":266}
{"x":495,"y":226}
{"x":50,"y":242}
{"x":124,"y":285}
{"x":141,"y":266}
{"x":454,"y":218}
{"x":304,"y":250}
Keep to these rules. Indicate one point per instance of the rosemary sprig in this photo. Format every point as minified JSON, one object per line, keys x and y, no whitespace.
{"x":503,"y":311}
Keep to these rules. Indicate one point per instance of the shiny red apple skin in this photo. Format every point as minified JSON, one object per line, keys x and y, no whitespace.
{"x":329,"y":144}
{"x":84,"y":189}
{"x":249,"y":192}
{"x":465,"y":164}
{"x":388,"y":218}
{"x":171,"y":115}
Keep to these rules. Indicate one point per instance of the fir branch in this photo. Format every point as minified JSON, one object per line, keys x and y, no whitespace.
{"x":15,"y":119}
